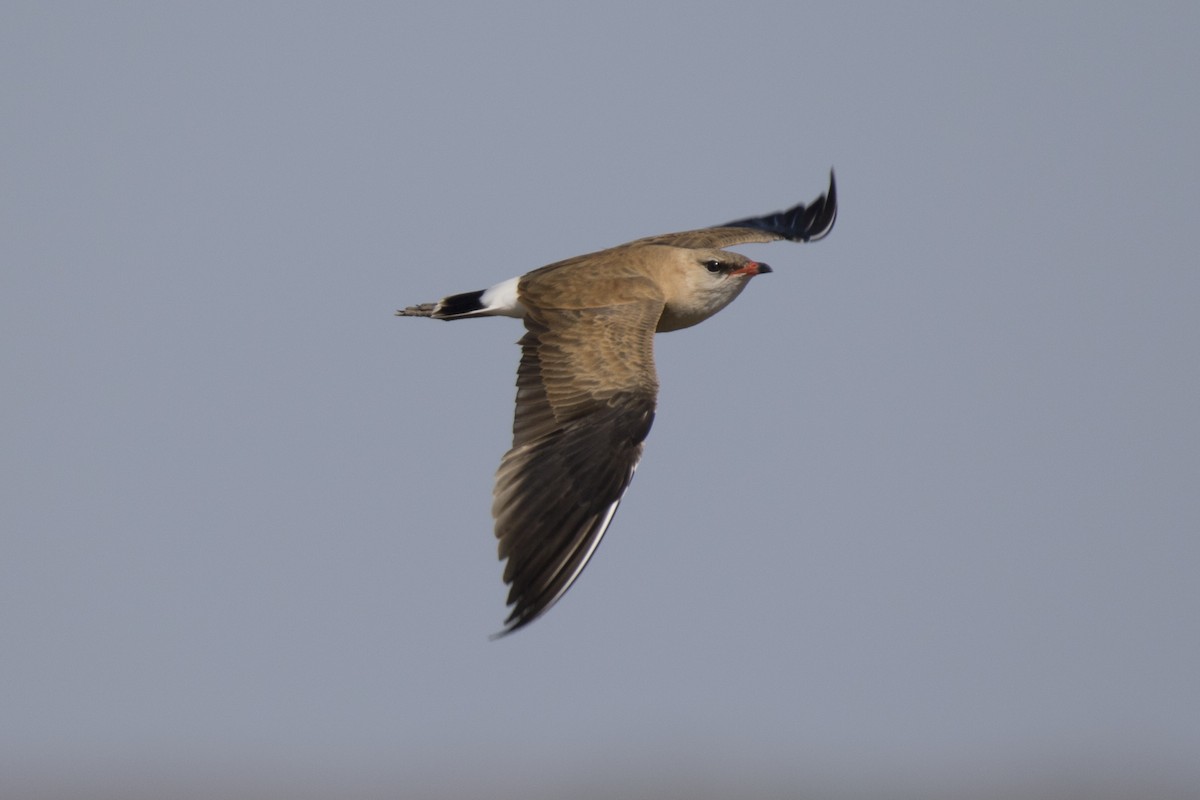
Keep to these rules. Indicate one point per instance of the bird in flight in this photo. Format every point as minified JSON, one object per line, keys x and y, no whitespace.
{"x":586,"y":385}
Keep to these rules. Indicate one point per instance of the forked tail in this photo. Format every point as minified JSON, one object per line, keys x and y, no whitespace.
{"x":498,"y":301}
{"x":456,"y":306}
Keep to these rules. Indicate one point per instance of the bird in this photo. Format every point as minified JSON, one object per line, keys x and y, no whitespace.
{"x":587,"y":386}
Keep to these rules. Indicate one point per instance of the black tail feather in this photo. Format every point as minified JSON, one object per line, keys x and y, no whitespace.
{"x":458,"y":305}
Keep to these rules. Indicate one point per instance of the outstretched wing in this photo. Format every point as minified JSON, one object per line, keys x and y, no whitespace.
{"x":801,"y":223}
{"x":586,"y":391}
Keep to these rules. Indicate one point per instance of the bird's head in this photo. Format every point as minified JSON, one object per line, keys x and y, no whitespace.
{"x":699,"y":283}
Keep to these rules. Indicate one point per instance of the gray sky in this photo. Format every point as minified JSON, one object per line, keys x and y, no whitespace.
{"x":919,"y":512}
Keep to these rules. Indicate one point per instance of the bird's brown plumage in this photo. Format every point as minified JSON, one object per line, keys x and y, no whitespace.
{"x":586,"y":392}
{"x":586,"y":385}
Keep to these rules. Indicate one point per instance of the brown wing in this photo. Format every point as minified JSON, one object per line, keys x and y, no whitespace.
{"x":800,"y":223}
{"x":586,"y":392}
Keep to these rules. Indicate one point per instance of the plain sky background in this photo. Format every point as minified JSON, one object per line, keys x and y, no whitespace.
{"x":920,"y":513}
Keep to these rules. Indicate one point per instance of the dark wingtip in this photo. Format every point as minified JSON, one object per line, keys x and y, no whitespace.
{"x":512,"y":627}
{"x":800,"y":223}
{"x":827,"y":214}
{"x":518,"y":618}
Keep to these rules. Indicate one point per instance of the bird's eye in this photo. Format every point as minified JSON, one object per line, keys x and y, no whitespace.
{"x":712,"y":265}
